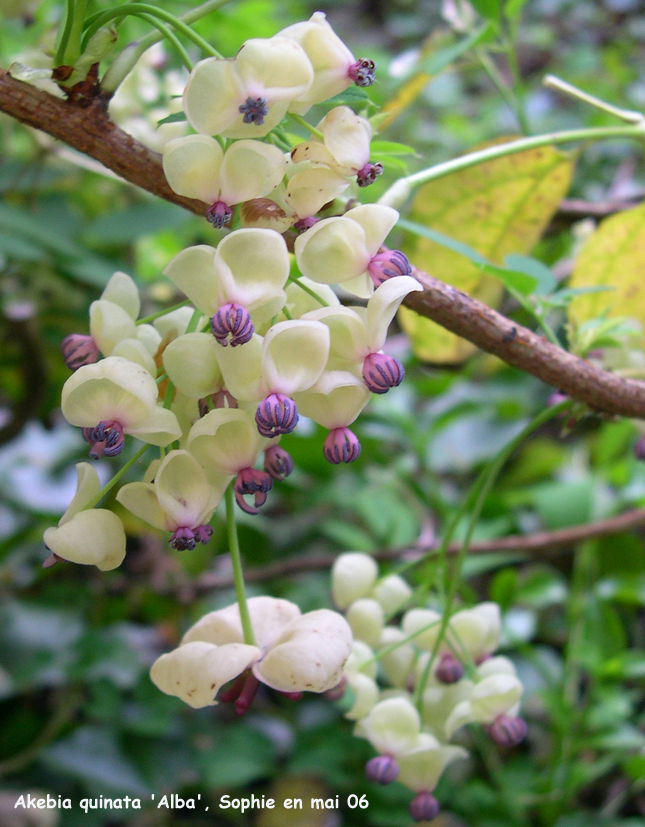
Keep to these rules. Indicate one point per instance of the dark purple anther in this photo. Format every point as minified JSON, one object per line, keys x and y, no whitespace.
{"x":639,"y":448}
{"x":106,"y":439}
{"x":79,"y":350}
{"x":507,"y":731}
{"x":278,"y":462}
{"x":219,"y":214}
{"x":368,"y":174}
{"x":185,"y":538}
{"x":383,"y":769}
{"x":381,"y":372}
{"x":276,"y":414}
{"x":424,"y":807}
{"x":256,"y":483}
{"x":449,"y":669}
{"x":341,"y":445}
{"x":362,"y":72}
{"x":254,"y":110}
{"x":232,"y":320}
{"x":387,"y":265}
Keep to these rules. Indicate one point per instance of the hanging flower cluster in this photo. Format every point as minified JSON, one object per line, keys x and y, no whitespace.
{"x":437,"y":677}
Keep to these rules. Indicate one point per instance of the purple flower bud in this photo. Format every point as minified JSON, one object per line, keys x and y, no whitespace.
{"x":555,"y":398}
{"x":276,"y":414}
{"x":368,"y":174}
{"x":257,"y":483}
{"x":254,"y":110}
{"x":387,"y":265}
{"x":185,"y":538}
{"x":639,"y":448}
{"x":424,"y":807}
{"x":278,"y":462}
{"x":382,"y":770}
{"x":362,"y":72}
{"x":79,"y":350}
{"x":234,"y":320}
{"x":507,"y":731}
{"x":219,"y":214}
{"x":381,"y":372}
{"x":106,"y":439}
{"x":303,"y":224}
{"x":449,"y":669}
{"x":341,"y":445}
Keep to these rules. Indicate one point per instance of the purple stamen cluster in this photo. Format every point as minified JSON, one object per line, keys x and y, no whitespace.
{"x":79,"y":350}
{"x":449,"y":669}
{"x":219,"y":214}
{"x":304,"y":224}
{"x":382,"y":769}
{"x":256,"y":483}
{"x":387,"y":265}
{"x":341,"y":445}
{"x":276,"y":414}
{"x":507,"y":731}
{"x":254,"y":110}
{"x":424,"y":807}
{"x":185,"y":539}
{"x":105,"y":439}
{"x":278,"y":463}
{"x":362,"y":73}
{"x":381,"y":372}
{"x":232,"y":320}
{"x":367,"y":174}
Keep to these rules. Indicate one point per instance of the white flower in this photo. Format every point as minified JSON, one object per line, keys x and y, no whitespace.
{"x":392,"y":727}
{"x":191,"y":364}
{"x":366,"y":619}
{"x":475,"y":631}
{"x":397,"y":664}
{"x":495,"y":695}
{"x":352,"y":577}
{"x":293,"y":653}
{"x":421,"y":767}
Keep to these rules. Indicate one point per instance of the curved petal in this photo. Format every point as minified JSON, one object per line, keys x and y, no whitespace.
{"x":393,"y":726}
{"x":294,"y":355}
{"x":193,"y":272}
{"x":382,"y":307}
{"x":377,"y":222}
{"x":242,"y":368}
{"x":313,"y":151}
{"x":425,"y":624}
{"x":333,"y":251}
{"x":226,"y":439}
{"x":276,"y":68}
{"x":112,"y":389}
{"x":421,"y":767}
{"x":251,"y":169}
{"x":149,"y":337}
{"x":489,"y":616}
{"x":140,"y":498}
{"x":183,"y":490}
{"x":195,"y":672}
{"x":347,"y":331}
{"x":192,"y":167}
{"x":366,"y":619}
{"x":88,"y":486}
{"x":122,"y":290}
{"x":310,"y":189}
{"x":191,"y":364}
{"x":495,"y":695}
{"x":91,"y":538}
{"x":347,"y":136}
{"x":135,"y":351}
{"x":175,"y":322}
{"x":352,"y":577}
{"x":366,"y":693}
{"x":335,"y":400}
{"x":309,"y":654}
{"x":161,"y":428}
{"x":397,"y":664}
{"x":109,"y":324}
{"x":300,"y":301}
{"x":213,"y":95}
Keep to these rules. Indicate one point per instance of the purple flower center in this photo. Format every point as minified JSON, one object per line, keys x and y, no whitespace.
{"x":449,"y":669}
{"x":507,"y":731}
{"x":276,"y":414}
{"x":105,"y":439}
{"x":424,"y":807}
{"x":387,"y":265}
{"x":232,"y":320}
{"x":185,"y":538}
{"x":362,"y":72}
{"x":219,"y":214}
{"x":79,"y":350}
{"x":368,"y":174}
{"x":382,"y":372}
{"x":383,"y":769}
{"x":256,"y":483}
{"x":254,"y":110}
{"x":278,"y":462}
{"x":341,"y":445}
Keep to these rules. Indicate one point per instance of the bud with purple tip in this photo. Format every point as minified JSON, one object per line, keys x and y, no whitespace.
{"x":507,"y":731}
{"x":105,"y":439}
{"x":382,"y":769}
{"x":424,"y":807}
{"x":362,"y":73}
{"x":341,"y":445}
{"x":256,"y":483}
{"x":368,"y":173}
{"x":382,"y":372}
{"x":387,"y":265}
{"x":219,"y":214}
{"x":232,"y":320}
{"x":278,"y":463}
{"x":449,"y":669}
{"x":276,"y":414}
{"x":79,"y":350}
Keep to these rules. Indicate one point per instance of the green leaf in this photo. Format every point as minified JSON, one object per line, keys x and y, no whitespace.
{"x":490,"y":9}
{"x":391,"y":148}
{"x":546,"y":282}
{"x":243,"y":755}
{"x":513,"y":8}
{"x":438,"y":61}
{"x":176,"y":117}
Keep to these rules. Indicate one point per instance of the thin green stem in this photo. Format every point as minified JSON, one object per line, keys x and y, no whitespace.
{"x":170,"y":395}
{"x":312,"y":293}
{"x":73,"y":49}
{"x":628,"y":115}
{"x":111,"y":483}
{"x":65,"y":32}
{"x":507,"y":94}
{"x":161,"y":313}
{"x":125,"y":62}
{"x":402,"y":189}
{"x":518,"y":84}
{"x":392,"y":647}
{"x":302,"y":122}
{"x":194,"y":320}
{"x":238,"y":574}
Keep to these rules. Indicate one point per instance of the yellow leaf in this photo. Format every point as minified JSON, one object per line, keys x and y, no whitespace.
{"x":497,"y":208}
{"x":614,"y":256}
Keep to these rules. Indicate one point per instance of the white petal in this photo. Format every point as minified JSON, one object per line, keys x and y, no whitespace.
{"x":193,"y":272}
{"x":149,"y":337}
{"x":140,"y":498}
{"x":366,"y":692}
{"x":238,"y":129}
{"x":226,"y":439}
{"x":377,"y":222}
{"x":493,"y":666}
{"x":88,"y":486}
{"x":192,"y":167}
{"x":135,"y":351}
{"x":182,"y":489}
{"x":299,"y":301}
{"x":122,"y":290}
{"x":335,"y":400}
{"x":490,"y":617}
{"x":309,"y":190}
{"x":347,"y":330}
{"x":347,"y":137}
{"x":392,"y":593}
{"x":392,"y":726}
{"x":382,"y":307}
{"x":195,"y":672}
{"x":242,"y":369}
{"x":494,"y":696}
{"x":461,"y":715}
{"x":175,"y":322}
{"x":213,"y":95}
{"x":358,"y":659}
{"x":366,"y":620}
{"x":313,"y":151}
{"x":421,"y":767}
{"x":251,"y":169}
{"x":333,"y":251}
{"x":425,"y":624}
{"x":397,"y":664}
{"x":294,"y":355}
{"x":161,"y":428}
{"x":191,"y":364}
{"x":276,"y":68}
{"x":352,"y":577}
{"x":91,"y":538}
{"x":109,"y":323}
{"x":308,"y":655}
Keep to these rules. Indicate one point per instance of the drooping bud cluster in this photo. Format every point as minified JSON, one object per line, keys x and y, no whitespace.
{"x":413,"y":685}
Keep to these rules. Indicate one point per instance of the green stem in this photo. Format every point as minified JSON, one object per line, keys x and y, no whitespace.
{"x":482,"y":488}
{"x":507,"y":94}
{"x":518,"y":85}
{"x":161,"y":313}
{"x":238,"y":574}
{"x":311,"y":292}
{"x":401,"y":190}
{"x":125,"y":62}
{"x":73,"y":49}
{"x":64,"y":33}
{"x":194,"y":319}
{"x":170,"y":395}
{"x":109,"y":485}
{"x":302,"y":122}
{"x":628,"y":115}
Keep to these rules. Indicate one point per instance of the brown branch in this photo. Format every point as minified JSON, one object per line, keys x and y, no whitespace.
{"x":91,"y":131}
{"x":539,"y":542}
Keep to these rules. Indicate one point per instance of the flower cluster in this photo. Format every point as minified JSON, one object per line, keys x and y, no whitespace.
{"x":438,"y":678}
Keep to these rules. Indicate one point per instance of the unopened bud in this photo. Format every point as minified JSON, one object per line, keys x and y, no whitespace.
{"x":387,"y":265}
{"x":382,"y":770}
{"x":275,"y":415}
{"x":341,"y":445}
{"x":79,"y":350}
{"x":362,"y":72}
{"x":449,"y":669}
{"x":507,"y":731}
{"x":424,"y":807}
{"x":278,"y":462}
{"x":382,"y":372}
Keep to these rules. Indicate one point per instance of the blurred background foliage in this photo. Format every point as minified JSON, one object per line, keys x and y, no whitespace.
{"x":78,"y":714}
